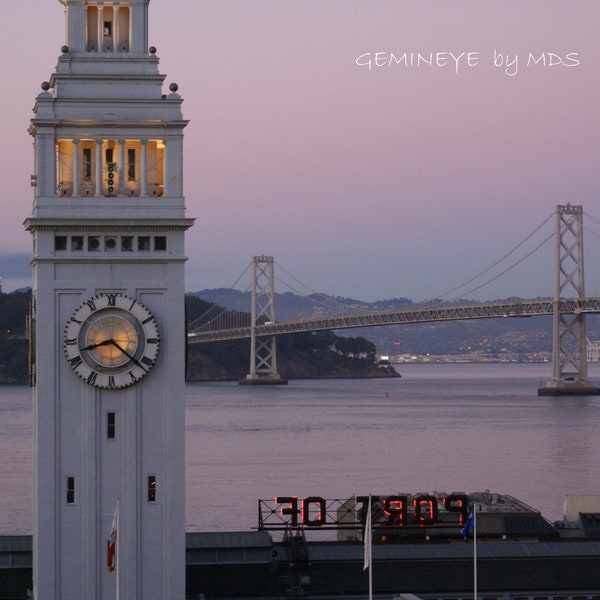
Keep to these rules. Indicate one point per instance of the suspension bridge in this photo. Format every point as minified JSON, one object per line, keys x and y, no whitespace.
{"x":568,"y":306}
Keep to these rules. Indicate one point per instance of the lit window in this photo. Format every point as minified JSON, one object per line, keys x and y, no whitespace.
{"x":87,"y":163}
{"x":151,"y":488}
{"x":131,"y":164}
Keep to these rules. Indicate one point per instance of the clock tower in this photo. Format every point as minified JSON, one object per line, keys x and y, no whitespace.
{"x":108,"y":226}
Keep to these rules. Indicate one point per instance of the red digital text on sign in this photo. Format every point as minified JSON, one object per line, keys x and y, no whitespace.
{"x":397,"y":510}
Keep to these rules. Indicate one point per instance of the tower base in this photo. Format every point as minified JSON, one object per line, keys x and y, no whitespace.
{"x":263,"y":379}
{"x":569,"y":388}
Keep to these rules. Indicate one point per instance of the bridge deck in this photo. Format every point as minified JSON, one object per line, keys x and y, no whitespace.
{"x":524,"y":308}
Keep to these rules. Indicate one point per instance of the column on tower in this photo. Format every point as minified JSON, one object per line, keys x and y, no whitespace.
{"x":100,"y":24}
{"x":98,"y":168}
{"x":172,"y":166}
{"x":144,"y":173}
{"x":121,"y":167}
{"x":46,"y":164}
{"x":115,"y":29}
{"x":76,"y":170}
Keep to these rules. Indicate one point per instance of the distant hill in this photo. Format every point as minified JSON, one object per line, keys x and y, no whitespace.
{"x":291,"y":307}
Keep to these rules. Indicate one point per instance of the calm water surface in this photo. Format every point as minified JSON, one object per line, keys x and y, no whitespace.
{"x":439,"y":428}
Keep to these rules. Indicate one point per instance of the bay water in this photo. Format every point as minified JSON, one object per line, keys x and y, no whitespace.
{"x":440,"y":428}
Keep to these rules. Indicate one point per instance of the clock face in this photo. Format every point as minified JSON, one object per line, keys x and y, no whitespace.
{"x":111,"y":341}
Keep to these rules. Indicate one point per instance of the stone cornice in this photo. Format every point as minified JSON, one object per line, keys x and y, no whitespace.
{"x":52,"y":224}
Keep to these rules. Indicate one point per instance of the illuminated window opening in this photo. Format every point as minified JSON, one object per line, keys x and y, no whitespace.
{"x":155,"y":167}
{"x":151,"y":488}
{"x":65,"y":150}
{"x":86,"y":166}
{"x":107,"y":30}
{"x":92,"y":28}
{"x":131,"y":164}
{"x":70,"y":490}
{"x":123,"y":41}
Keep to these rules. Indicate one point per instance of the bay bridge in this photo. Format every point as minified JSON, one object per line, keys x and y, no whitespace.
{"x":568,"y":306}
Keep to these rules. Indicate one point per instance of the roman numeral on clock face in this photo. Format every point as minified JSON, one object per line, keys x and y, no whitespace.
{"x":75,"y":361}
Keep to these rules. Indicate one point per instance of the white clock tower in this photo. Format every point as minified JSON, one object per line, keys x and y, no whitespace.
{"x":108,"y":226}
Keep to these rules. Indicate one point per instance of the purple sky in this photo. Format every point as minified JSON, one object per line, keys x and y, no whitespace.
{"x":373,"y":184}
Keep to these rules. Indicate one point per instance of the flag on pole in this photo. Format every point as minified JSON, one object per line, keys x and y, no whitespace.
{"x":367,"y":537}
{"x":112,"y":544}
{"x":469,"y":524}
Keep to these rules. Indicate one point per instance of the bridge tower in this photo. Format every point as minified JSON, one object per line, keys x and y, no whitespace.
{"x":263,"y":354}
{"x":569,"y":359}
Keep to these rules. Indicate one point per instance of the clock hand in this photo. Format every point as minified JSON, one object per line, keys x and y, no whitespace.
{"x":94,"y":346}
{"x":131,"y":358}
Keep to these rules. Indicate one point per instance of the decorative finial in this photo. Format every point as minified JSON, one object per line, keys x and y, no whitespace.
{"x":64,"y":49}
{"x":173,"y":87}
{"x":152,"y":49}
{"x":45,"y":86}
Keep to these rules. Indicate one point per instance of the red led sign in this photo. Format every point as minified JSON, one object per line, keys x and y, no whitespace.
{"x":397,"y":511}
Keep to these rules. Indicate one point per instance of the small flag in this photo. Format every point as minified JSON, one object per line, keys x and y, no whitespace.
{"x":469,"y":524}
{"x":112,"y":545}
{"x":367,"y":538}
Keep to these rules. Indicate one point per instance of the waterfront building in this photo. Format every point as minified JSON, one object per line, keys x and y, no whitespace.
{"x":108,"y":226}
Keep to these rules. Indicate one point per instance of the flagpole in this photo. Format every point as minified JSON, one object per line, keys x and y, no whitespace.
{"x":472,"y":523}
{"x":368,"y":537}
{"x":475,"y":550}
{"x":118,"y":548}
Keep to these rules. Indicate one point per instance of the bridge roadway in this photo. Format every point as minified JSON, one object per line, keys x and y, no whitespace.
{"x":524,"y":308}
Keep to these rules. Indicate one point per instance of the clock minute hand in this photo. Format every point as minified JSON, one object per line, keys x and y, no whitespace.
{"x":131,"y":358}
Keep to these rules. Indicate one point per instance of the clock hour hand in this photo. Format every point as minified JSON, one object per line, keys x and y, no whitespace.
{"x":131,"y":358}
{"x":94,"y":346}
